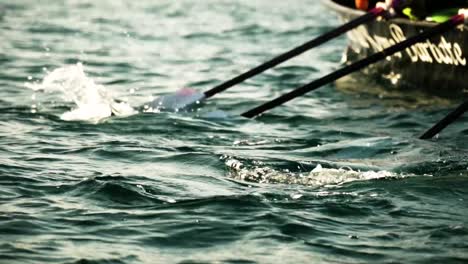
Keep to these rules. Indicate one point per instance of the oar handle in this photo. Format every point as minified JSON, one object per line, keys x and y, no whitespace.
{"x":436,"y":30}
{"x":372,"y":14}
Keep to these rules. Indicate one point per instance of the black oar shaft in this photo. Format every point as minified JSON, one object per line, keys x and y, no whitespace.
{"x":436,"y":30}
{"x":296,"y":51}
{"x":450,"y":118}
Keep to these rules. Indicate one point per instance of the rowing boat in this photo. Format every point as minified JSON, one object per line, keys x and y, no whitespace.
{"x":438,"y":66}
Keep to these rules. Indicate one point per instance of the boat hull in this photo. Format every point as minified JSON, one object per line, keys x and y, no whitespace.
{"x":438,"y":65}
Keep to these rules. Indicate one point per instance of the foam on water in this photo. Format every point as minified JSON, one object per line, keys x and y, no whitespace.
{"x":93,"y":101}
{"x":319,"y":176}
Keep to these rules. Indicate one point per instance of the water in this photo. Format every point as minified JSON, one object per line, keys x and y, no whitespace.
{"x":336,"y":176}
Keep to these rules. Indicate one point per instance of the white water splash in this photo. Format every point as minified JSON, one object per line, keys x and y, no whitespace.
{"x":93,"y":101}
{"x":322,"y":176}
{"x":317,"y":177}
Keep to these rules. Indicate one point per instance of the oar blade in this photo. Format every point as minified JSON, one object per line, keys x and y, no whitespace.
{"x":182,"y":99}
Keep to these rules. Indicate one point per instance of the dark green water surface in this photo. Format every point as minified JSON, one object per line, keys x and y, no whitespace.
{"x":183,"y":188}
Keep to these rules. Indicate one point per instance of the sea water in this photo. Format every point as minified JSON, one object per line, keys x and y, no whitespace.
{"x":90,"y":174}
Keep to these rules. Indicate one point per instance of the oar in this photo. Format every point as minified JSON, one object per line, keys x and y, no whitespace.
{"x":436,"y":30}
{"x":189,"y":96}
{"x":447,"y":120}
{"x":369,"y":16}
